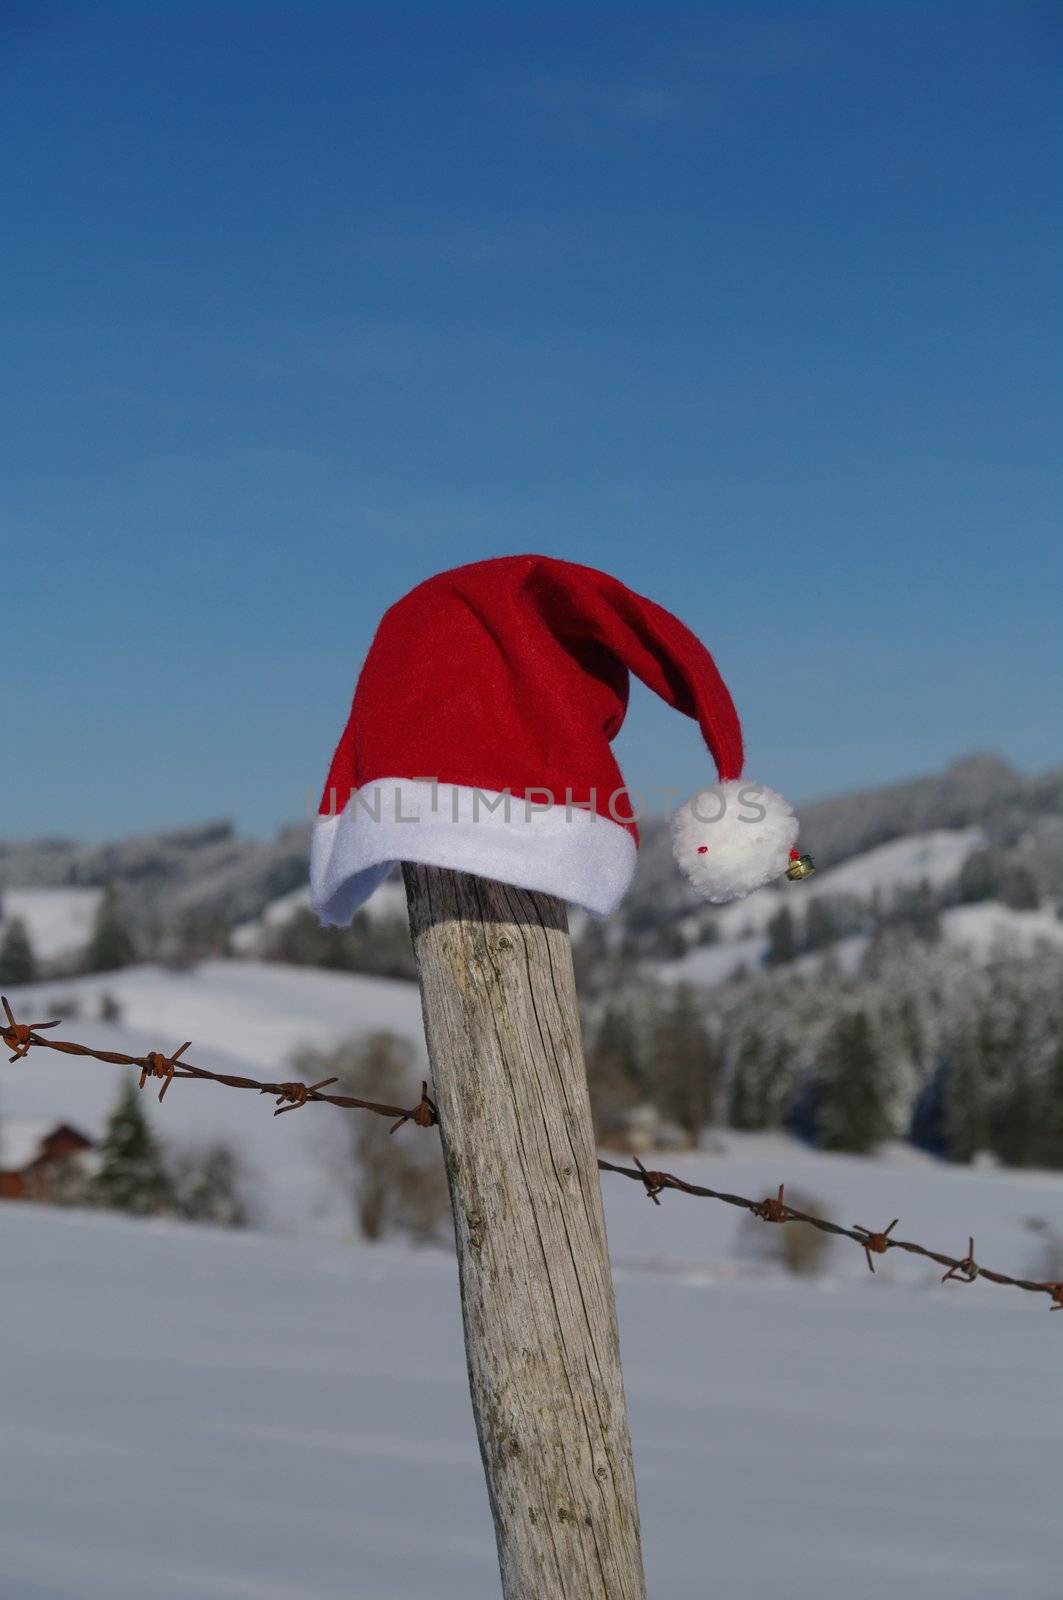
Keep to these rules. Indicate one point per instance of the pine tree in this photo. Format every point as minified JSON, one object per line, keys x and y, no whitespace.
{"x":1014,"y":1119}
{"x":1049,"y":1148}
{"x":821,"y":924}
{"x":927,"y":1128}
{"x":377,"y":945}
{"x":111,"y":944}
{"x":747,"y":1110}
{"x":18,"y":964}
{"x":133,"y":1175}
{"x":614,"y":1078}
{"x":910,"y":1029}
{"x":979,"y":877}
{"x":966,"y":1102}
{"x":777,"y":1081}
{"x":208,"y":1184}
{"x":917,"y":907}
{"x":782,"y":938}
{"x":1018,"y":888}
{"x":851,"y":1110}
{"x":197,"y":934}
{"x":684,"y":1063}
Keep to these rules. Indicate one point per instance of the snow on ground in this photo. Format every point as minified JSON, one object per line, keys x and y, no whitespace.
{"x":713,"y":963}
{"x":194,"y":1415}
{"x":283,"y":1415}
{"x":59,"y":921}
{"x":981,"y":927}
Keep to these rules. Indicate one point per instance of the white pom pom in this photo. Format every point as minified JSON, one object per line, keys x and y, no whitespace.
{"x":732,"y":838}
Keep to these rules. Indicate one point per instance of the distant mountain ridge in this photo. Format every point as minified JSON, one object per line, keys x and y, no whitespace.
{"x":210,"y":869}
{"x":974,"y":790}
{"x":206,"y":868}
{"x":980,"y":790}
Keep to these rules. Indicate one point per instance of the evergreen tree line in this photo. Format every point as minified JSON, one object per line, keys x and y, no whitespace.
{"x":378,"y":946}
{"x":830,"y":918}
{"x":654,"y":1048}
{"x":922,"y":1042}
{"x":985,"y":875}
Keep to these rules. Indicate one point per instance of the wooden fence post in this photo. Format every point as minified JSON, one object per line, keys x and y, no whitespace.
{"x":541,"y":1340}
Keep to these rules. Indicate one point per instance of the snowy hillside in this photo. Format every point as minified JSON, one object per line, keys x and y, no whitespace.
{"x":191,"y":1415}
{"x":242,"y":1017}
{"x":979,"y":929}
{"x":58,"y":921}
{"x":933,"y":858}
{"x":251,"y":1017}
{"x":927,"y":860}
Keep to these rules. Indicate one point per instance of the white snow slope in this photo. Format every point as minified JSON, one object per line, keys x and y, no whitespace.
{"x":194,"y":1415}
{"x":934,"y":858}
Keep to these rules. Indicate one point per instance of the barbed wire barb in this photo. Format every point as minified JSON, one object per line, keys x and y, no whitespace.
{"x":156,"y":1065}
{"x":965,"y":1271}
{"x":20,"y":1035}
{"x":878,"y":1242}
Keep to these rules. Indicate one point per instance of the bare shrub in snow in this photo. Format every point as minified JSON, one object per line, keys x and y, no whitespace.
{"x":394,"y":1185}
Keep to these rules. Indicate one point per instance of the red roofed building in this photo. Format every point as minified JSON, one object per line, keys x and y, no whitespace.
{"x":31,"y":1151}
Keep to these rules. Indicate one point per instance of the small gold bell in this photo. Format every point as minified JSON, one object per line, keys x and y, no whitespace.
{"x":800,"y":867}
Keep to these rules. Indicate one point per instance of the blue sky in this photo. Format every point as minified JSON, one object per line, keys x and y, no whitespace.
{"x":757,"y":306}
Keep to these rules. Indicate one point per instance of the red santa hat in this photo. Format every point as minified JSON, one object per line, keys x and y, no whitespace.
{"x":479,"y":739}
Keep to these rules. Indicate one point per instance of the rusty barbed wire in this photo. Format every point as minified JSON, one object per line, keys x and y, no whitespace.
{"x":21,"y":1037}
{"x":961,"y":1269}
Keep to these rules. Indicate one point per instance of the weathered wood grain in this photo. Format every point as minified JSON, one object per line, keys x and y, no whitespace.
{"x":537,"y":1296}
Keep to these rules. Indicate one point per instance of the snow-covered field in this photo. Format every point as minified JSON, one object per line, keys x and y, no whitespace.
{"x":194,"y":1415}
{"x":282,"y":1415}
